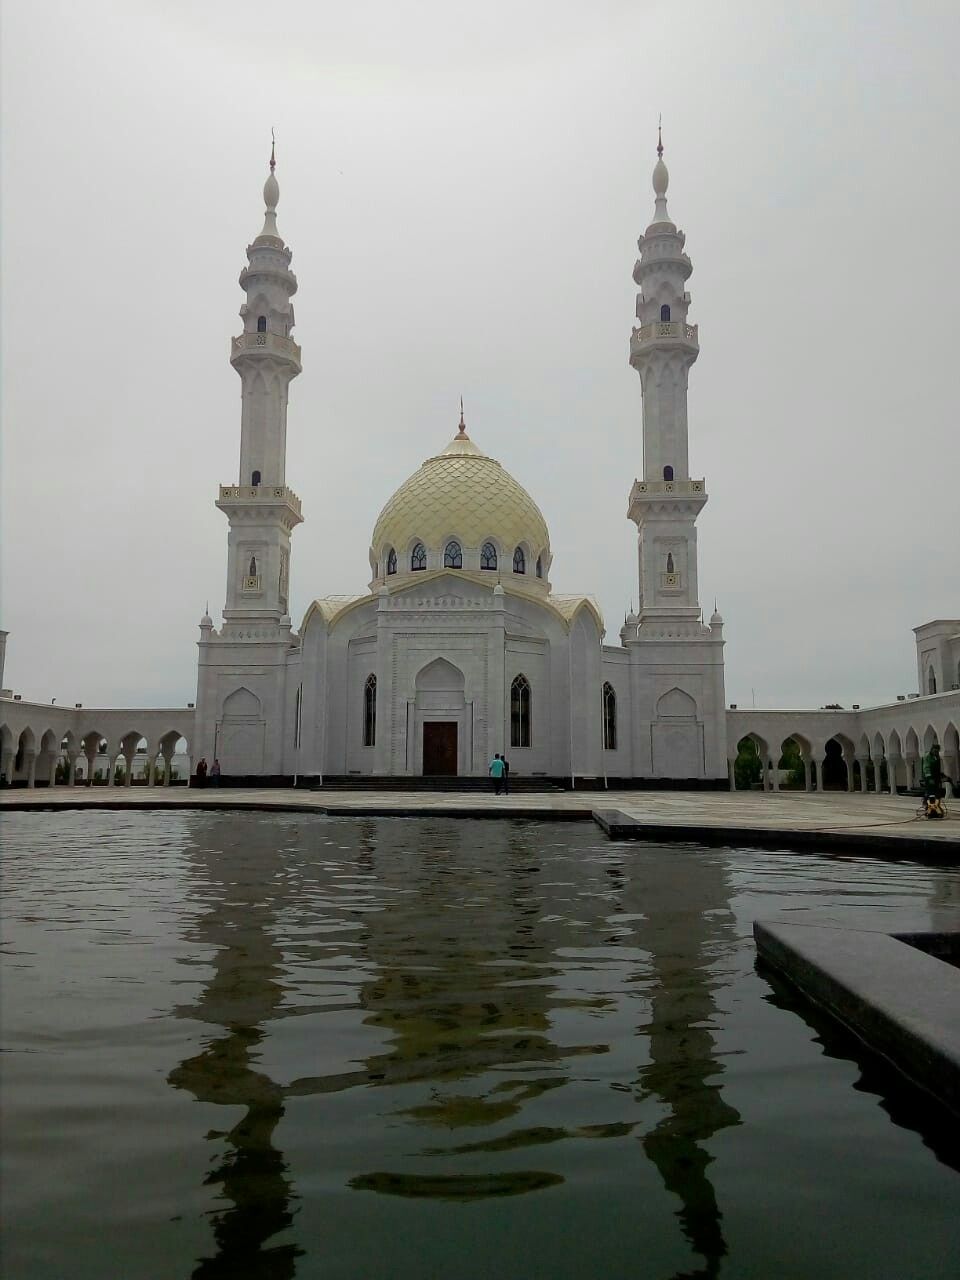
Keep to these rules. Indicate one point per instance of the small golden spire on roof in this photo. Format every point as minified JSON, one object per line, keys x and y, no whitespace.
{"x":273,"y":150}
{"x":462,"y":430}
{"x":660,"y":137}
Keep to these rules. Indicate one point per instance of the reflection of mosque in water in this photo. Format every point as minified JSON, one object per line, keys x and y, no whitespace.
{"x":456,"y":950}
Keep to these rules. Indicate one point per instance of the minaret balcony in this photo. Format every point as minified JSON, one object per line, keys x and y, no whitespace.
{"x":260,"y":501}
{"x":665,"y":333}
{"x":265,"y":344}
{"x":690,"y":496}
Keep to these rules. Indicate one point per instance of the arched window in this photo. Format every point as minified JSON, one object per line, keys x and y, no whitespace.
{"x":261,"y":324}
{"x":418,"y":557}
{"x":391,"y":561}
{"x":931,"y":681}
{"x":670,"y":562}
{"x":665,"y":313}
{"x":668,"y":473}
{"x":253,"y":567}
{"x":519,"y":561}
{"x":452,"y":556}
{"x":609,"y":717}
{"x":370,"y":711}
{"x":539,"y":566}
{"x":520,"y":712}
{"x":488,"y":556}
{"x":255,"y":478}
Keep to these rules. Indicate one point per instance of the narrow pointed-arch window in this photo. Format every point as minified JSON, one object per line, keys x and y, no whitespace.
{"x":370,"y":711}
{"x":520,"y":712}
{"x":519,"y":561}
{"x":668,"y":472}
{"x":488,"y":556}
{"x":670,"y":562}
{"x":261,"y":324}
{"x":253,"y":567}
{"x":539,"y":566}
{"x":665,"y":313}
{"x":453,"y":556}
{"x":931,"y":681}
{"x":418,"y":557}
{"x":255,"y":478}
{"x":391,"y":561}
{"x":609,"y":717}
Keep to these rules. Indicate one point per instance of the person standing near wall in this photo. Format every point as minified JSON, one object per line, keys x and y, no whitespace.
{"x":496,"y":773}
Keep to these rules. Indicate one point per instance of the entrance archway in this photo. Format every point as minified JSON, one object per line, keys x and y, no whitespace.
{"x":441,"y":729}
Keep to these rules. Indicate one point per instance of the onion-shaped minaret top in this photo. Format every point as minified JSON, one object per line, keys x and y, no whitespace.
{"x":661,"y":180}
{"x":271,"y":197}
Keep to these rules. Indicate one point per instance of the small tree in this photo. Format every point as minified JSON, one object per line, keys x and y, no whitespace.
{"x":792,"y":761}
{"x":747,"y":768}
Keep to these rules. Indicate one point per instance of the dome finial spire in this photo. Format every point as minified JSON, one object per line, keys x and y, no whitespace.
{"x":462,"y":430}
{"x":273,"y":149}
{"x":659,"y":137}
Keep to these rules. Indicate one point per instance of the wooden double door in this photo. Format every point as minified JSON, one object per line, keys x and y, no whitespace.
{"x":440,"y":748}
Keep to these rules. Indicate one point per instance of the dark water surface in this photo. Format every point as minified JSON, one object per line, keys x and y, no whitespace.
{"x":243,"y":1045}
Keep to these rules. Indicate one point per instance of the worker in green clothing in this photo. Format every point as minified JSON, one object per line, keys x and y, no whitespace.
{"x":931,"y":779}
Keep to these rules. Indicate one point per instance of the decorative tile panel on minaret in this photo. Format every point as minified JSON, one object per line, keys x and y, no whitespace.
{"x":261,"y":509}
{"x":666,"y":502}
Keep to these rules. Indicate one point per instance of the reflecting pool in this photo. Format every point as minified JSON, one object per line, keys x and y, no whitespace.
{"x":277,"y":1046}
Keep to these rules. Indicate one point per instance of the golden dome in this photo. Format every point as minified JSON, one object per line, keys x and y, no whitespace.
{"x":464,"y":495}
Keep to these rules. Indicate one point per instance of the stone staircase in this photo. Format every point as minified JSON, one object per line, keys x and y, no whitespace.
{"x":519,"y":785}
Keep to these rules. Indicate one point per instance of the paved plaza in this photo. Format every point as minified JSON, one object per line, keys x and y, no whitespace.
{"x":659,"y":814}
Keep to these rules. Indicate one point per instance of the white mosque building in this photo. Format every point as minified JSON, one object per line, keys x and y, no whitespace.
{"x":459,"y":647}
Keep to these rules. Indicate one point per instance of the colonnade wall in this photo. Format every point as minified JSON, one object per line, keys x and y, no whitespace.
{"x":45,"y":745}
{"x":862,"y":749}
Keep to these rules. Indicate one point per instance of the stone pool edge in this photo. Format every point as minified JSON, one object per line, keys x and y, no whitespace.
{"x":900,"y":1001}
{"x":612,"y":820}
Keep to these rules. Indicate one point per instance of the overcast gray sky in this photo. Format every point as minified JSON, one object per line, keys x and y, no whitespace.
{"x":462,"y":186}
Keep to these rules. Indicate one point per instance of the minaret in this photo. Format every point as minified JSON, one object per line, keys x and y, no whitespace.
{"x":261,"y":509}
{"x":666,"y":502}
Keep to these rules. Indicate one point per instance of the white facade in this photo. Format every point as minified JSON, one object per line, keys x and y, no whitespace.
{"x":459,"y":648}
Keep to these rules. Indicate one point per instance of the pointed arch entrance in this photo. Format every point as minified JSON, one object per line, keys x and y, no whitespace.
{"x":441,"y":729}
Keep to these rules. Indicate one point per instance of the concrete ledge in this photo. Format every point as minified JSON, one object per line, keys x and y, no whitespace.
{"x":902,"y":1002}
{"x":621,"y":826}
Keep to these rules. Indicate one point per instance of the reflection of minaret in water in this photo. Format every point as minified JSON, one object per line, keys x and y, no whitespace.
{"x":682,"y":897}
{"x":238,"y":918}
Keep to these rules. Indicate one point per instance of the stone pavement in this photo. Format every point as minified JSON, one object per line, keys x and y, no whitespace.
{"x":784,"y":818}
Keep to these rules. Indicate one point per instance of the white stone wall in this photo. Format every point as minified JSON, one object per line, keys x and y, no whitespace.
{"x":896,"y":734}
{"x":938,"y":656}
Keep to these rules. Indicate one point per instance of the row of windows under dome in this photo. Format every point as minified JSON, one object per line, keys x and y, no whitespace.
{"x":521,"y":713}
{"x":489,"y":559}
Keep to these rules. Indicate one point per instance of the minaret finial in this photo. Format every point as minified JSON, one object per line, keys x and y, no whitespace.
{"x":463,"y":426}
{"x":271,"y":193}
{"x":660,"y":137}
